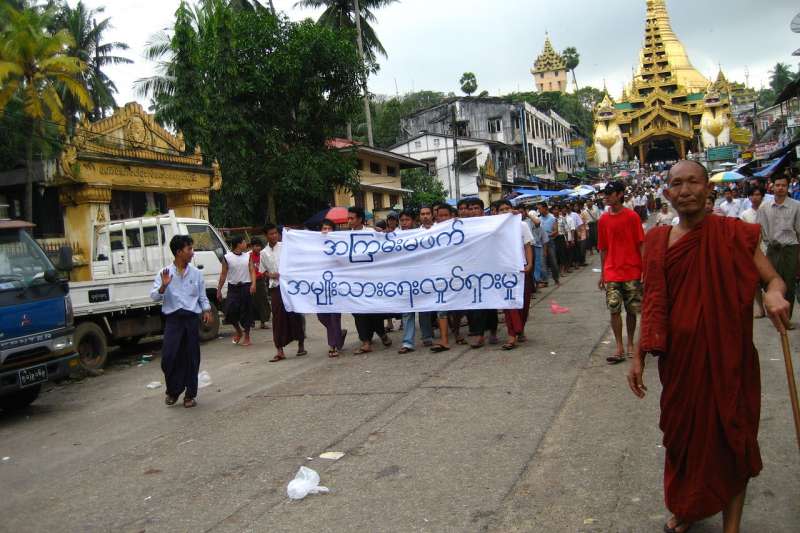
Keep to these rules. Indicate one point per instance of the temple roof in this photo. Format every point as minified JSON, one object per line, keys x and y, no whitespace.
{"x":663,"y":62}
{"x":549,"y":60}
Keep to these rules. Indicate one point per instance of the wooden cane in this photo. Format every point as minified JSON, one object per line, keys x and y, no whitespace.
{"x":787,"y":358}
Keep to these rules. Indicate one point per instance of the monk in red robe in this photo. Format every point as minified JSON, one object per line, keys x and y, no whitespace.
{"x":700,"y":279}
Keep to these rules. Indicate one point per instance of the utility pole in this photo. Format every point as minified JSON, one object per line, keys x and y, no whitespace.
{"x":454,"y":125}
{"x":367,"y":112}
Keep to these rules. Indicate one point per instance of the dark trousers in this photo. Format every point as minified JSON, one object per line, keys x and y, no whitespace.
{"x":333,"y":326}
{"x":261,"y":306}
{"x":552,"y":261}
{"x":180,"y":352}
{"x":481,"y":320}
{"x":368,"y":325}
{"x":592,"y":236}
{"x":784,"y":260}
{"x":239,"y":306}
{"x":561,"y":250}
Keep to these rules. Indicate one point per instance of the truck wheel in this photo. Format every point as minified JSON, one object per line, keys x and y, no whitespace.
{"x":210,"y":331}
{"x":92,"y":345}
{"x":20,"y":399}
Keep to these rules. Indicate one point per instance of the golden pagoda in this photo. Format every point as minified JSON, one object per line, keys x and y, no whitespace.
{"x":669,"y":108}
{"x":550,"y":70}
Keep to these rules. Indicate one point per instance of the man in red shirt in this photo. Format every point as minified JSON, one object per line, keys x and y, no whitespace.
{"x":620,"y":239}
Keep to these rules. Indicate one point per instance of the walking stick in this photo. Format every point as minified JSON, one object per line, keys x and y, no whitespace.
{"x":787,"y":358}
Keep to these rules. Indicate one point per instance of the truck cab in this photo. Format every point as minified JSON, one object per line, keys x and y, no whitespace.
{"x":36,"y":318}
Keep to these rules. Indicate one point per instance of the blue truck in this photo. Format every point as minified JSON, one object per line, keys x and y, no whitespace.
{"x":36,"y":319}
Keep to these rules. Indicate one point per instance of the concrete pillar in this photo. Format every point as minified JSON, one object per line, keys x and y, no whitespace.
{"x":84,"y":207}
{"x":683,"y":149}
{"x":189,"y":204}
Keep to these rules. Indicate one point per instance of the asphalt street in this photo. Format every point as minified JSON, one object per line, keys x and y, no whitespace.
{"x":544,"y":438}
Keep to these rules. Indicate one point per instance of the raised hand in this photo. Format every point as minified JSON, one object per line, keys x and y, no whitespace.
{"x":166,"y":278}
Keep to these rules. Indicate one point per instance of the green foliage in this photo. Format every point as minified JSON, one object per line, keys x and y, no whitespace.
{"x":765,"y":98}
{"x":427,"y":189}
{"x":339,"y":16}
{"x":386,"y":115}
{"x":781,"y":75}
{"x":261,"y":95}
{"x":572,"y":58}
{"x":469,"y":83}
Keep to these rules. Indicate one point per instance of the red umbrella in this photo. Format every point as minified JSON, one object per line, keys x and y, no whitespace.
{"x":337,"y":215}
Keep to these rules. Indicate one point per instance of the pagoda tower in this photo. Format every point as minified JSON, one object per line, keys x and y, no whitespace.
{"x":668,"y":106}
{"x":550,"y":70}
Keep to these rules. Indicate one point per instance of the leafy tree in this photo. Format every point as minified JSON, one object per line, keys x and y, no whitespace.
{"x":765,"y":98}
{"x":338,"y":16}
{"x":427,"y":189}
{"x":589,"y":97}
{"x":35,"y":67}
{"x":264,"y":115}
{"x":87,"y":35}
{"x":572,"y":58}
{"x":781,"y":75}
{"x":469,"y":83}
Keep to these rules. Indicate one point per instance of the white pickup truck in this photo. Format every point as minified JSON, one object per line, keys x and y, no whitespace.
{"x":115,"y":307}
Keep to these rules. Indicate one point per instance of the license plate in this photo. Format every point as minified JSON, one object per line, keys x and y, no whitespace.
{"x":32,"y":376}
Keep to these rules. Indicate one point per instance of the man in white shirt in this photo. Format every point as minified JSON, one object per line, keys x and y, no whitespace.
{"x":516,"y":318}
{"x":239,"y":272}
{"x":286,"y":327}
{"x":751,"y":217}
{"x":730,"y":206}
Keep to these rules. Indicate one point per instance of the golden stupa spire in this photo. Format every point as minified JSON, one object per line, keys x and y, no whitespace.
{"x":663,"y":60}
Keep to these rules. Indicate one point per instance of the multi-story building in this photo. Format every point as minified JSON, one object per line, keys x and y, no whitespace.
{"x":523,"y":142}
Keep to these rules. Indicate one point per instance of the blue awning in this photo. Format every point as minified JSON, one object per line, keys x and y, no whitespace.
{"x":770,"y":169}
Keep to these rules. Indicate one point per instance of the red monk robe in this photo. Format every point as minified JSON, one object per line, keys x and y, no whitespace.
{"x":698,"y":316}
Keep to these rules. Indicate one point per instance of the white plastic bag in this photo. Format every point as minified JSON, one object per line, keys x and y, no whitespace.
{"x":203,"y":379}
{"x":153,"y":385}
{"x":304,"y":483}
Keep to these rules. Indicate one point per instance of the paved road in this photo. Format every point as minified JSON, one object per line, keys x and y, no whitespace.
{"x":545,"y":438}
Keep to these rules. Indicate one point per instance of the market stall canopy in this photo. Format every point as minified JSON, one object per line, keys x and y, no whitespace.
{"x":773,"y":167}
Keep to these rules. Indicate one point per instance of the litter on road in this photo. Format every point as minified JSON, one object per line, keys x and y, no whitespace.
{"x":203,"y":379}
{"x":153,"y":385}
{"x":333,"y":456}
{"x":304,"y":483}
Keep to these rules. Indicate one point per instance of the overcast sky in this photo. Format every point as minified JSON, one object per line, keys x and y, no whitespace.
{"x":431,"y":42}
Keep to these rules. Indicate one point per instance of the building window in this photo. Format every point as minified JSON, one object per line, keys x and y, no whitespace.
{"x":417,"y":144}
{"x":495,"y":125}
{"x":375,"y":168}
{"x":360,"y":164}
{"x":358,"y":199}
{"x":377,"y":200}
{"x":391,"y":171}
{"x":394,"y":200}
{"x":516,"y":122}
{"x":436,"y":142}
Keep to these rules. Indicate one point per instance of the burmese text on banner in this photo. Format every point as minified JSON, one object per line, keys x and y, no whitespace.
{"x":461,"y":264}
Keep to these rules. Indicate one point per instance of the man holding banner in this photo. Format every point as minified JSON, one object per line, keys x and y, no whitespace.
{"x":367,"y":324}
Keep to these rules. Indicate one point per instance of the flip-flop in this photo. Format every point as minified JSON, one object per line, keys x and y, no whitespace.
{"x":439,"y":348}
{"x":476,"y":346}
{"x":236,"y":339}
{"x":301,"y":353}
{"x":360,"y":351}
{"x":461,"y":342}
{"x":333,"y":353}
{"x":405,"y":350}
{"x":615,"y":359}
{"x":508,"y":346}
{"x":189,"y":402}
{"x":668,"y":529}
{"x":493,"y":339}
{"x":170,"y":400}
{"x":386,"y":341}
{"x":277,"y":358}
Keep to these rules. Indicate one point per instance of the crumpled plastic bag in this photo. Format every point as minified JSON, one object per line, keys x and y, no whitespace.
{"x":557,"y":309}
{"x":304,"y":483}
{"x":203,"y":379}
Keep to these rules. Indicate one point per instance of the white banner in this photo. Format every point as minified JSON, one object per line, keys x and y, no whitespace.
{"x":461,"y":264}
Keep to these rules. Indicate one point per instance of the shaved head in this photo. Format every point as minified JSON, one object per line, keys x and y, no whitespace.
{"x":698,"y":166}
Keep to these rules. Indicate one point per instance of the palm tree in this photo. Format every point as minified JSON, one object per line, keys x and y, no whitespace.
{"x":87,"y":34}
{"x":572,"y":58}
{"x":780,"y":76}
{"x":469,"y":83}
{"x":338,"y":15}
{"x":34,"y":67}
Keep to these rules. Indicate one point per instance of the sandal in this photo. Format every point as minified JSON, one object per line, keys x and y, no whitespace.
{"x":277,"y":358}
{"x":361,"y":351}
{"x":493,"y":339}
{"x":170,"y":400}
{"x":386,"y":341}
{"x":616,"y":359}
{"x":333,"y":353}
{"x":405,"y":350}
{"x":461,"y":341}
{"x":476,"y":346}
{"x":675,"y":528}
{"x":189,"y":402}
{"x":236,"y":339}
{"x":439,"y":348}
{"x":521,"y":338}
{"x":508,"y":346}
{"x":301,"y":353}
